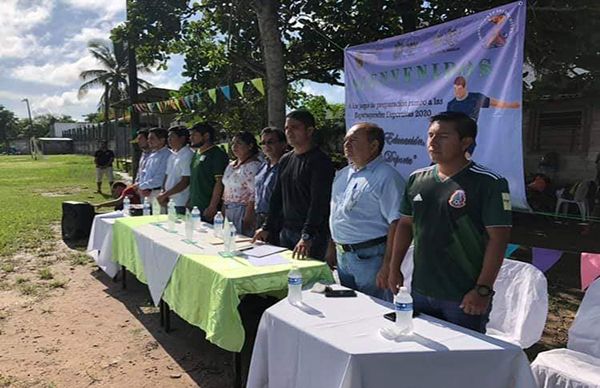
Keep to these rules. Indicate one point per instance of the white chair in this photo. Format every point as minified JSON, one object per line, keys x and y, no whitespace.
{"x":579,"y":199}
{"x":520,"y":305}
{"x":577,"y":366}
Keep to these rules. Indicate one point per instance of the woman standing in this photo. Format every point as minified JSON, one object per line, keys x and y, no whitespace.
{"x":238,"y":179}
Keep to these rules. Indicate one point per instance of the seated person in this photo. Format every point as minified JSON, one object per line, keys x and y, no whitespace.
{"x":119,"y":191}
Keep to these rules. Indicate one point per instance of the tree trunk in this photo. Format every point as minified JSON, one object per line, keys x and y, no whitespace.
{"x":272,"y":47}
{"x":106,"y":112}
{"x":134,"y":119}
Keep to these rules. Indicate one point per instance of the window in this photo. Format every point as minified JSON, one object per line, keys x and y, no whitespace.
{"x":560,"y":131}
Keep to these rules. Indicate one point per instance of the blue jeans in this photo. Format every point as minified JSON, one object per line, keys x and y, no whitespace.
{"x":358,"y":270}
{"x":449,"y":311}
{"x":289,"y":238}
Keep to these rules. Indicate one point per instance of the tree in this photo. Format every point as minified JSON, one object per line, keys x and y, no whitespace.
{"x":112,"y":76}
{"x":8,"y":126}
{"x":41,"y":125}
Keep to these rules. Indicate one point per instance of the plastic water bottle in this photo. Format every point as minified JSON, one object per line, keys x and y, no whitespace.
{"x":218,"y":225}
{"x":147,"y":210}
{"x":155,"y":207}
{"x":196,"y":220}
{"x":294,"y":285}
{"x":231,"y":234}
{"x":171,"y":215}
{"x":126,"y":206}
{"x":189,"y":226}
{"x":403,"y":303}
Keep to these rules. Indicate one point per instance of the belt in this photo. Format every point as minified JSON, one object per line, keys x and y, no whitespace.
{"x":362,"y":245}
{"x":156,"y":188}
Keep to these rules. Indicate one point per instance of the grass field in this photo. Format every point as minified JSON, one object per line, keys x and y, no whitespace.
{"x":31,"y":193}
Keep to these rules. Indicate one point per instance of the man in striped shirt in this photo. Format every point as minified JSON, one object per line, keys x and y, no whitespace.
{"x":459,"y":215}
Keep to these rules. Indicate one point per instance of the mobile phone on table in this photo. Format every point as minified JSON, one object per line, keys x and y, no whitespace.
{"x":392,"y":316}
{"x":339,"y":293}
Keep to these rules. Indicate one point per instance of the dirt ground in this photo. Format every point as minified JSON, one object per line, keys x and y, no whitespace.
{"x":64,"y":323}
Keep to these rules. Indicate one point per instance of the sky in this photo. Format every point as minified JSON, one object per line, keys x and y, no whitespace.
{"x":43,"y":48}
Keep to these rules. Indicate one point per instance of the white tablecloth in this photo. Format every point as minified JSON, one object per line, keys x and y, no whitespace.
{"x":100,"y":242}
{"x":335,"y":342}
{"x":159,"y":251}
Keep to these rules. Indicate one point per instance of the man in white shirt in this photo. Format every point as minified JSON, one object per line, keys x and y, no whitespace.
{"x":177,"y":179}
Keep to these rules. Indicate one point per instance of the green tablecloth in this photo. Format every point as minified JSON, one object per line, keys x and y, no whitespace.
{"x":205,"y":290}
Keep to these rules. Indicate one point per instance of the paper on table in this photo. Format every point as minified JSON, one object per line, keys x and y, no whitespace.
{"x":263,"y":250}
{"x":219,"y":241}
{"x":267,"y":260}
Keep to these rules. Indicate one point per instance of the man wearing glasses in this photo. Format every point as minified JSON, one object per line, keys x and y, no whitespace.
{"x":365,"y":208}
{"x":273,"y":145}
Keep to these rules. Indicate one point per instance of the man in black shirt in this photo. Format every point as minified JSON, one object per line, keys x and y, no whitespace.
{"x":103,"y":158}
{"x":299,"y":205}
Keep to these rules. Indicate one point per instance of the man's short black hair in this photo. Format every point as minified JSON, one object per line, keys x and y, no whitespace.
{"x":278,"y":133}
{"x":161,"y":133}
{"x":304,"y":116}
{"x":464,"y":125}
{"x":117,"y":184}
{"x":374,"y":132}
{"x":143,"y":132}
{"x":179,"y":130}
{"x":203,"y":128}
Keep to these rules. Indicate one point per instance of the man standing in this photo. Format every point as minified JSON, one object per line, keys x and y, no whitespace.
{"x":103,"y":158}
{"x":152,"y":176}
{"x":460,"y":216}
{"x":300,"y":201}
{"x":273,"y":146}
{"x":365,"y":208}
{"x":142,"y":141}
{"x":207,"y":167}
{"x":177,"y":177}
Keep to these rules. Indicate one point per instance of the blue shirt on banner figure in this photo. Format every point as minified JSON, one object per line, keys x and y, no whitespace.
{"x":470,"y":103}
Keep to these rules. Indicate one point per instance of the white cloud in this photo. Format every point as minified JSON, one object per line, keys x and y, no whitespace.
{"x":62,"y":102}
{"x":16,"y":22}
{"x":62,"y":74}
{"x":107,"y":9}
{"x":4,"y":94}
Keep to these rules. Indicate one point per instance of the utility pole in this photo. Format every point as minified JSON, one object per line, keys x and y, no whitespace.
{"x":134,"y":120}
{"x":26,"y":100}
{"x":32,"y":144}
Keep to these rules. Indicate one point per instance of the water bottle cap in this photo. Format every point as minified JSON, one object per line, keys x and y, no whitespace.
{"x":403,"y":289}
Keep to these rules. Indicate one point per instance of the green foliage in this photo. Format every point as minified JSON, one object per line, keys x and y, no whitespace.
{"x":31,"y":194}
{"x":41,"y":125}
{"x":8,"y":125}
{"x":45,"y":273}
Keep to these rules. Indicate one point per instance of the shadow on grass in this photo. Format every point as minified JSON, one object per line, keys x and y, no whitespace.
{"x":208,"y":365}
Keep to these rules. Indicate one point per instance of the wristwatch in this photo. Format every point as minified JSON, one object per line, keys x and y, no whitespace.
{"x":306,"y":237}
{"x":483,"y":290}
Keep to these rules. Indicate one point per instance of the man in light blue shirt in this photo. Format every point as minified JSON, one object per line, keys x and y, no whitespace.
{"x":152,"y":175}
{"x":365,"y":207}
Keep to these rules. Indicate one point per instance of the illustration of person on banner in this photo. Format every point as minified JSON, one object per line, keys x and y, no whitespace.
{"x":470,"y":103}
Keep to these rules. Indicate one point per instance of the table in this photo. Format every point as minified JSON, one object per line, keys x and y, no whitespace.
{"x":335,"y":342}
{"x":100,"y":242}
{"x":202,"y":287}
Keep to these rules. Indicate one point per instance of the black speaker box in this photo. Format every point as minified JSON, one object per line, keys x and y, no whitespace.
{"x":77,"y":219}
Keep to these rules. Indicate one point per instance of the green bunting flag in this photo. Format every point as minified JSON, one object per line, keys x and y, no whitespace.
{"x":212,"y":93}
{"x":258,"y":84}
{"x":240,"y":87}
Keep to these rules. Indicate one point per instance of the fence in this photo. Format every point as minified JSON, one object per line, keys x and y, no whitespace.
{"x":86,"y":138}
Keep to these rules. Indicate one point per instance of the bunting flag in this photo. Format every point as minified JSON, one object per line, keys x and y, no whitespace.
{"x":240,"y":87}
{"x":187,"y":102}
{"x":590,"y":268}
{"x":544,"y":258}
{"x":510,"y":249}
{"x":258,"y":84}
{"x":226,"y":92}
{"x":212,"y":93}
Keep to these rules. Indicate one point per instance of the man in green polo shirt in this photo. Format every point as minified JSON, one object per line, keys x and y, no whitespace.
{"x":459,"y":215}
{"x":208,"y":164}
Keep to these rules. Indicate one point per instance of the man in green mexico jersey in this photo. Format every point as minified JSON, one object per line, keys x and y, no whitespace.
{"x":459,"y":215}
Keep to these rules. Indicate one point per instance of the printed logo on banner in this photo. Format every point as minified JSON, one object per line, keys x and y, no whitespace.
{"x":458,"y":199}
{"x":495,"y":29}
{"x":405,"y":48}
{"x":447,"y":40}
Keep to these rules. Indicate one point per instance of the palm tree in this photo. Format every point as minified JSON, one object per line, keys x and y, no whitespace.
{"x":112,"y":76}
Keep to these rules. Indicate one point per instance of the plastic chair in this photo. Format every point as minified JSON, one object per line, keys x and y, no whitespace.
{"x":579,"y":199}
{"x":520,"y":305}
{"x":577,"y":366}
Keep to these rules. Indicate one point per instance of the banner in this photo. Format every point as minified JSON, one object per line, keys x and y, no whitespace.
{"x":472,"y":65}
{"x":544,"y":258}
{"x":590,"y":268}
